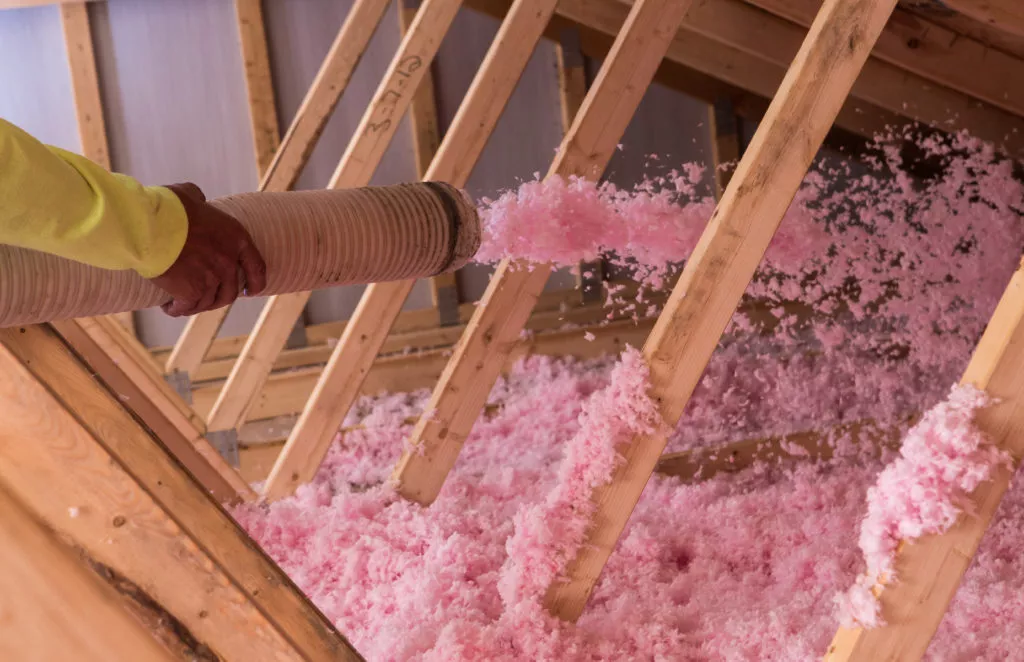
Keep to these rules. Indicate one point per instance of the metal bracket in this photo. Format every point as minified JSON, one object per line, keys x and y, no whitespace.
{"x":226,"y":443}
{"x":181,"y":383}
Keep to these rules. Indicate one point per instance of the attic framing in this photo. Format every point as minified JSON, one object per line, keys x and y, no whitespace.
{"x":148,"y":479}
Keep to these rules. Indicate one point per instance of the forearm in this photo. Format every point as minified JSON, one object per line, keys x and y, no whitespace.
{"x":60,"y":203}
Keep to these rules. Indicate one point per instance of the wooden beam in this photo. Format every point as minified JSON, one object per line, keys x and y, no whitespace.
{"x":932,"y":52}
{"x":433,"y":338}
{"x":468,"y":378}
{"x":76,"y":457}
{"x":706,"y":66}
{"x":812,"y":445}
{"x":352,"y":359}
{"x":157,"y":406}
{"x":990,"y":36}
{"x":1006,"y":15}
{"x":85,"y":84}
{"x":53,"y":607}
{"x":724,"y":260}
{"x":426,"y":138}
{"x":572,"y":89}
{"x":408,"y":321}
{"x":259,"y":83}
{"x":85,"y":91}
{"x":725,"y":142}
{"x":760,"y":74}
{"x":754,"y":31}
{"x":930,"y":568}
{"x":330,"y":83}
{"x":287,"y":393}
{"x":364,"y":153}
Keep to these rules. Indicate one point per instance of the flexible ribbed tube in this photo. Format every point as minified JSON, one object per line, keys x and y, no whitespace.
{"x":309,"y":239}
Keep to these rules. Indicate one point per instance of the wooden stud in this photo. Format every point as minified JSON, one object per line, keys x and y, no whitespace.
{"x":352,"y":359}
{"x":725,"y":143}
{"x":724,"y":260}
{"x":78,"y":459}
{"x":363,"y":155}
{"x":85,"y":84}
{"x":259,"y":83}
{"x":426,"y":138}
{"x":930,"y":568}
{"x":298,"y":143}
{"x":572,"y":88}
{"x":151,"y":399}
{"x":468,"y":378}
{"x":54,"y":608}
{"x":85,"y":90}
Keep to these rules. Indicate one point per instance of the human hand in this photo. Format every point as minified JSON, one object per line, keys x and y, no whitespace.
{"x":206,"y":274}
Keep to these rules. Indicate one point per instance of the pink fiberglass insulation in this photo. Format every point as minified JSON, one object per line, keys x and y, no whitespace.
{"x":942,"y":460}
{"x":867,"y":304}
{"x":549,"y":534}
{"x":867,"y":307}
{"x":738,"y":567}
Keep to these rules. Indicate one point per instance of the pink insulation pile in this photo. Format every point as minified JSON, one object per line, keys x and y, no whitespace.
{"x":868,"y":306}
{"x":942,"y":460}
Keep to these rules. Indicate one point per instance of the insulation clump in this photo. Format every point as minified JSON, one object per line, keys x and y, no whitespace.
{"x":549,"y":534}
{"x":942,"y":460}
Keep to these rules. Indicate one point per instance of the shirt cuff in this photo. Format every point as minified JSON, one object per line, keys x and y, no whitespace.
{"x":170,"y":229}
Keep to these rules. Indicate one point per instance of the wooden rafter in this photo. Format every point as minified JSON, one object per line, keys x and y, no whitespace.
{"x":426,"y":138}
{"x":259,"y":83}
{"x":85,"y":90}
{"x":933,"y":52}
{"x":54,"y":607}
{"x":512,"y":292}
{"x":295,"y":149}
{"x":724,"y":260}
{"x":930,"y":569}
{"x":364,"y":153}
{"x":159,"y":407}
{"x":720,"y":49}
{"x":352,"y":359}
{"x":572,"y":89}
{"x":725,"y":142}
{"x":1006,"y":15}
{"x":287,"y":393}
{"x":740,"y":26}
{"x":76,"y":457}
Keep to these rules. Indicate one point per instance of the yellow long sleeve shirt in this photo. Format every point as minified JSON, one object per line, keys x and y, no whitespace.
{"x":58,"y":202}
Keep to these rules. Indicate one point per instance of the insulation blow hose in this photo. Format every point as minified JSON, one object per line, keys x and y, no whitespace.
{"x":309,"y":240}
